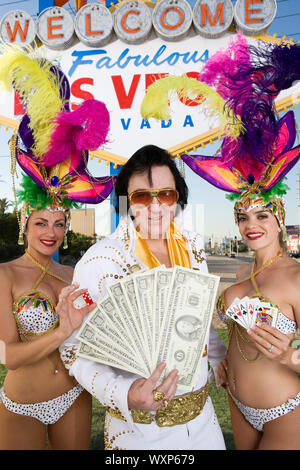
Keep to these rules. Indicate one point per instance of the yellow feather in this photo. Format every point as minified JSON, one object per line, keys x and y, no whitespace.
{"x":22,"y":70}
{"x":156,"y":103}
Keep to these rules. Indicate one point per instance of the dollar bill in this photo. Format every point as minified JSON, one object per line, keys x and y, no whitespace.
{"x":185,"y":327}
{"x":108,"y":307}
{"x":162,"y":283}
{"x":87,"y":352}
{"x":101,"y":324}
{"x":127,"y":286}
{"x":95,"y":338}
{"x":109,"y":350}
{"x":117,"y":294}
{"x":144,"y":287}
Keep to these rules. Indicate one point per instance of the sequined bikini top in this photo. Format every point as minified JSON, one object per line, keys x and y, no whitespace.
{"x":283,"y":323}
{"x":34,"y":312}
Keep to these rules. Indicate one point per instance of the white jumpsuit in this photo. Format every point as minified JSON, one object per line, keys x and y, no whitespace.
{"x":105,"y":262}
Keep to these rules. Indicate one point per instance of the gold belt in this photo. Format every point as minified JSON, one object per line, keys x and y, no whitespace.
{"x":180,"y":410}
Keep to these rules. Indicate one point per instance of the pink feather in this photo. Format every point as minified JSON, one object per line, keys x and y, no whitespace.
{"x":223,"y":63}
{"x":85,"y":128}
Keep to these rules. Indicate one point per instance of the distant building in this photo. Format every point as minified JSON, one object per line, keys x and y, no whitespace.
{"x":83,"y":221}
{"x":293,"y":239}
{"x":292,"y":229}
{"x":216,"y":242}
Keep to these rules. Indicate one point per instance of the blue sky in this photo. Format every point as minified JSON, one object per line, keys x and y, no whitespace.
{"x":218,"y":214}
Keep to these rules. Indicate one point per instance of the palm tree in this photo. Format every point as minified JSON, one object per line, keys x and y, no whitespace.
{"x":4,"y":205}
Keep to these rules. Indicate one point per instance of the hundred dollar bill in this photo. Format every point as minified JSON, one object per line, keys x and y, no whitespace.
{"x":185,"y":328}
{"x":120,"y":301}
{"x":144,"y":287}
{"x":110,"y":351}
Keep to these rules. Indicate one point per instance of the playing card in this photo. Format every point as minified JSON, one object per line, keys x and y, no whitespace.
{"x":265,"y":312}
{"x":234,"y":313}
{"x":243,"y":307}
{"x":240,"y":311}
{"x":267,"y":315}
{"x":251,"y":312}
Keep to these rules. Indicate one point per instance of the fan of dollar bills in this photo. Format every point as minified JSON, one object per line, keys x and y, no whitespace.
{"x":152,"y":316}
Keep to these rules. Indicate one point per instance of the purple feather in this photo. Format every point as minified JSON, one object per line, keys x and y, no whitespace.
{"x":64,"y":88}
{"x":249,"y":79}
{"x":272,"y":69}
{"x":25,"y":132}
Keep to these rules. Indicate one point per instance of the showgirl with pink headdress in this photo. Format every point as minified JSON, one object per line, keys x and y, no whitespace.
{"x":51,"y":148}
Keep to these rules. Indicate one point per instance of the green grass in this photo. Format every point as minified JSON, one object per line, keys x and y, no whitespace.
{"x":220,"y":402}
{"x":218,"y":396}
{"x":2,"y":374}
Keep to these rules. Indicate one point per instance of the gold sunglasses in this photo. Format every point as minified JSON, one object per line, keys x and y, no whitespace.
{"x":144,"y":197}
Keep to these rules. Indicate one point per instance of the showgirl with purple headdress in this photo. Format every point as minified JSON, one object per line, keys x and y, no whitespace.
{"x":259,"y":371}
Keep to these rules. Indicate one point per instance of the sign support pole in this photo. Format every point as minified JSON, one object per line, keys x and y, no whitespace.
{"x":114,"y":217}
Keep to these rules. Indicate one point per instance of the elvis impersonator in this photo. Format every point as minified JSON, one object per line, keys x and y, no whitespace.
{"x":139,"y":413}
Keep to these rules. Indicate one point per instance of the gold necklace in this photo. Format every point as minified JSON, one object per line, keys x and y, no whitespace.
{"x":44,"y":268}
{"x":44,"y":272}
{"x":236,"y":328}
{"x":264,"y":266}
{"x":259,"y":355}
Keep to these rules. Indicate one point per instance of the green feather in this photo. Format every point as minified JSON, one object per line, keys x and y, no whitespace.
{"x":33,"y":194}
{"x":232,"y":196}
{"x":279,"y":190}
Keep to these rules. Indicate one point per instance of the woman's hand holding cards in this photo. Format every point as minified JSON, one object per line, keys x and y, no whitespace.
{"x":270,"y":341}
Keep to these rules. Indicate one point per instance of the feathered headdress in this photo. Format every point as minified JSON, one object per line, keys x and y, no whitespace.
{"x":252,"y":165}
{"x":55,"y":140}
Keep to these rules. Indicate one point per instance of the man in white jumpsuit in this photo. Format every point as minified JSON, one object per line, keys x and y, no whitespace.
{"x":191,"y":422}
